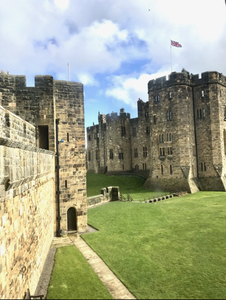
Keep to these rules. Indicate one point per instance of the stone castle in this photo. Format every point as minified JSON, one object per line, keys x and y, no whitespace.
{"x":42,"y":174}
{"x":178,"y":140}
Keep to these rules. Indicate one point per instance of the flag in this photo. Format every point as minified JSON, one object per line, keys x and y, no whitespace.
{"x":175,"y":44}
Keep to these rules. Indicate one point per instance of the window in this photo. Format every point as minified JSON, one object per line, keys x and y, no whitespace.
{"x":161,"y":138}
{"x":154,"y":119}
{"x":169,"y":137}
{"x":147,"y":130}
{"x":157,"y":99}
{"x":89,"y":156}
{"x":145,"y":153}
{"x":144,"y":166}
{"x":120,"y":155}
{"x":202,"y":94}
{"x":123,"y":130}
{"x":170,"y":151}
{"x":146,"y":114}
{"x":89,"y":137}
{"x":65,"y":184}
{"x":162,"y":151}
{"x":67,"y":137}
{"x":169,"y":116}
{"x":169,"y":95}
{"x":135,"y":152}
{"x":134,"y":131}
{"x":171,"y":170}
{"x":162,"y":169}
{"x":111,"y":154}
{"x":203,"y":113}
{"x":25,"y":128}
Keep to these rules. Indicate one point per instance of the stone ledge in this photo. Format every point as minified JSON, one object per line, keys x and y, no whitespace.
{"x":19,"y":145}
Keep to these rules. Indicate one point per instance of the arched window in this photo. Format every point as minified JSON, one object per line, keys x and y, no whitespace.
{"x":120,"y":154}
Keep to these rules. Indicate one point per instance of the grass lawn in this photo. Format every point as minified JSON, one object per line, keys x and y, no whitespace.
{"x":73,"y":278}
{"x":172,"y":249}
{"x":128,"y":185}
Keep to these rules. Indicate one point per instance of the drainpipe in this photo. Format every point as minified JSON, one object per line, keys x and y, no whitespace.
{"x":58,"y":180}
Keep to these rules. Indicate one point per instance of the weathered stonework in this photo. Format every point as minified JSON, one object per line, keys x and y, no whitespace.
{"x":107,"y":194}
{"x":26,"y":206}
{"x":30,"y":119}
{"x":183,"y":129}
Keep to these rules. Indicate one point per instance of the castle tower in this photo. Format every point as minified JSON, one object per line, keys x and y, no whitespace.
{"x":69,"y":112}
{"x":118,"y":142}
{"x":42,"y":105}
{"x":210,"y":122}
{"x":140,"y":139}
{"x":173,"y":161}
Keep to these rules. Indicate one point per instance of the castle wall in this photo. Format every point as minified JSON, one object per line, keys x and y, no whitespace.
{"x":33,"y":104}
{"x":93,"y":149}
{"x":70,"y":112}
{"x":26,"y":206}
{"x":182,"y":130}
{"x":140,"y":133}
{"x":117,"y":139}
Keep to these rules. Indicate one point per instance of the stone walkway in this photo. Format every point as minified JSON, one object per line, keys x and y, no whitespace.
{"x":113,"y":284}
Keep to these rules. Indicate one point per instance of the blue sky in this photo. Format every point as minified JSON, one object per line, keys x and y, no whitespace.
{"x":114,"y":47}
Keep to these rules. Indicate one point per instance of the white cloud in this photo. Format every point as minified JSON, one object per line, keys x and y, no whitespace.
{"x":98,"y":36}
{"x":129,"y":89}
{"x":63,"y":4}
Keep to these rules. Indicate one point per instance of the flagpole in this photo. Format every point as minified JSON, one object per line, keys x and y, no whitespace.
{"x":171,"y":56}
{"x":68,"y":72}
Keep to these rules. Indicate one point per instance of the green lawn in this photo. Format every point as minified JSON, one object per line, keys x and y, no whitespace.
{"x":128,"y":185}
{"x":173,"y":249}
{"x":73,"y":278}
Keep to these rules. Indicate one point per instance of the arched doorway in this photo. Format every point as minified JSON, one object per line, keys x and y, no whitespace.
{"x":71,"y":219}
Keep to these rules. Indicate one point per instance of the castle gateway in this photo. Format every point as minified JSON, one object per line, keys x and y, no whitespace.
{"x":178,"y":141}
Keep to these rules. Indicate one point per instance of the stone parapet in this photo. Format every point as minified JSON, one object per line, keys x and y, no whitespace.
{"x":15,"y":128}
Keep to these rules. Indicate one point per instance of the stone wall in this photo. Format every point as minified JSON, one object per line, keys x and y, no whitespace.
{"x":42,"y":105}
{"x":179,"y":137}
{"x":27,"y":196}
{"x":107,"y":194}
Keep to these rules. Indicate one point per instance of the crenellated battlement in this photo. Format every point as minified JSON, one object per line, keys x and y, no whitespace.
{"x":185,"y":78}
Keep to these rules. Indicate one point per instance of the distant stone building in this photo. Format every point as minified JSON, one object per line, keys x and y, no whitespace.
{"x":178,"y":141}
{"x":42,"y":175}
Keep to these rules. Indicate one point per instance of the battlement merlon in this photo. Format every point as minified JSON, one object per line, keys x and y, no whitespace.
{"x":16,"y":81}
{"x":94,"y":128}
{"x":185,"y":78}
